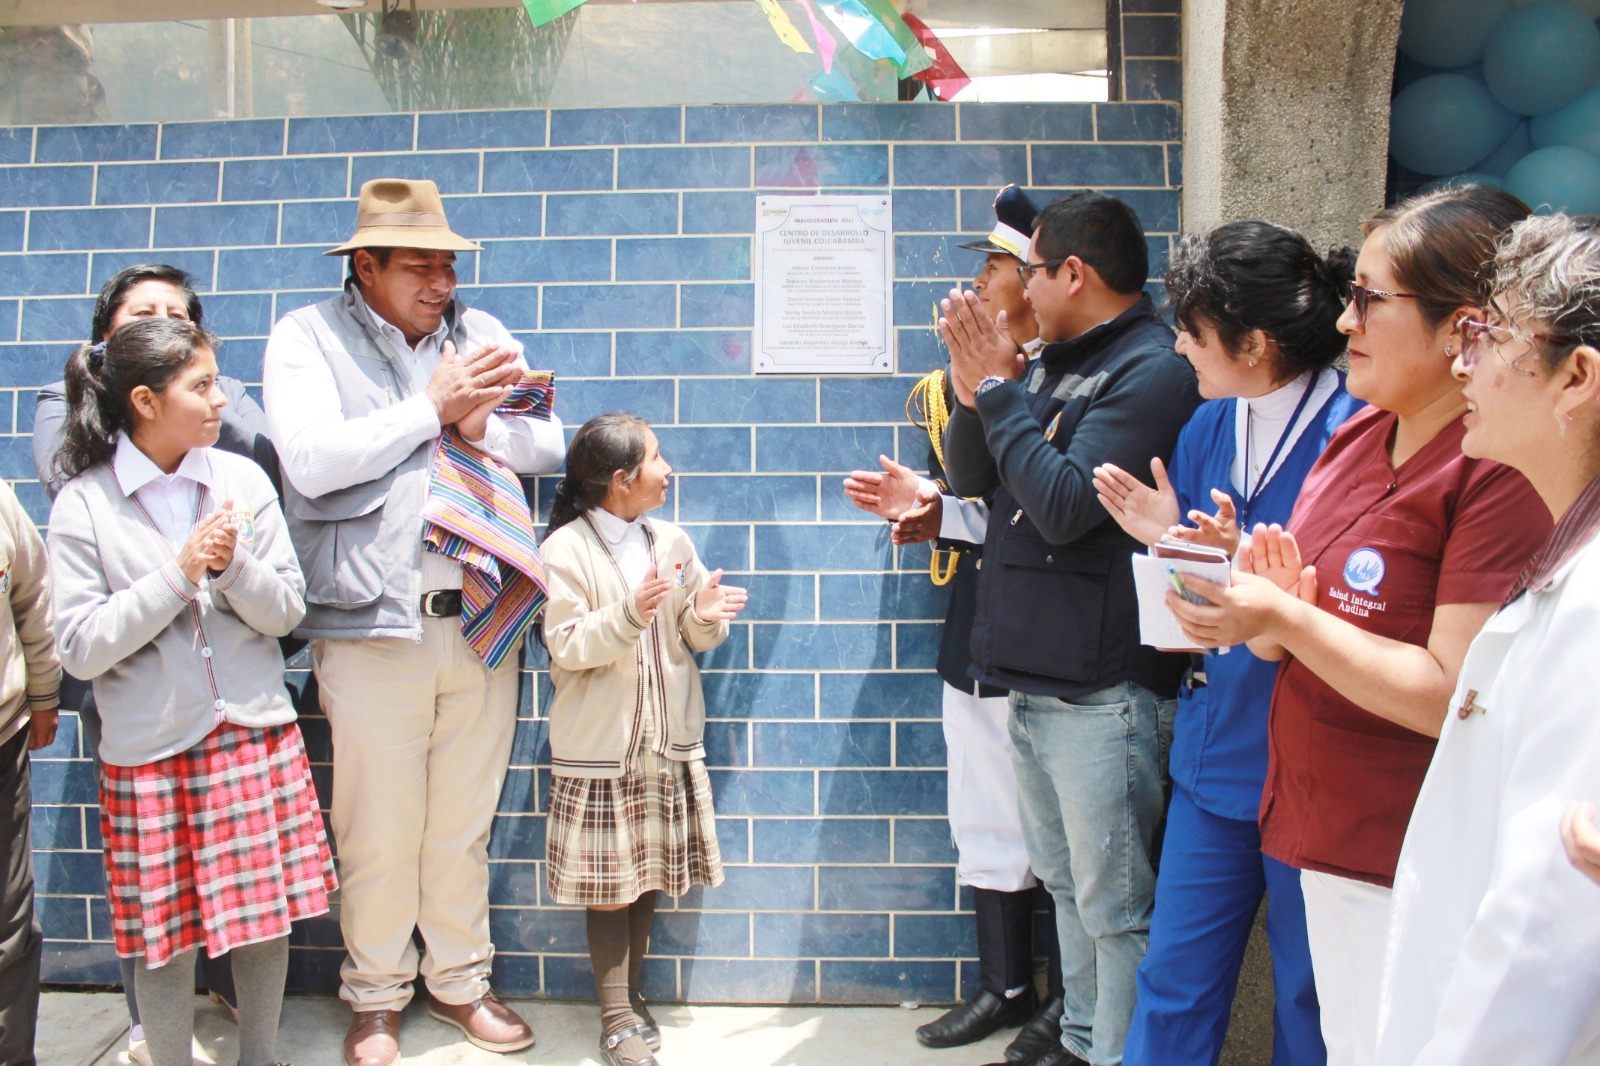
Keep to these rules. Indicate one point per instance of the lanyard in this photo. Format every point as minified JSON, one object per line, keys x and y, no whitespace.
{"x":1250,"y":497}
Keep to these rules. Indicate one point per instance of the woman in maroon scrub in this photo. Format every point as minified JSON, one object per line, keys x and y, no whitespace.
{"x":1399,"y":548}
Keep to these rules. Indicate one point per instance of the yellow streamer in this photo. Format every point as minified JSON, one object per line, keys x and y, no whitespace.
{"x":783,"y":27}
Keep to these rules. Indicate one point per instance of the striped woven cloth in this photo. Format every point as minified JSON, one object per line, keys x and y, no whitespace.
{"x":477,"y":514}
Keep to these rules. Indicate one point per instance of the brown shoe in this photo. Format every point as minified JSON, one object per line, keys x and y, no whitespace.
{"x":488,"y":1023}
{"x":373,"y":1038}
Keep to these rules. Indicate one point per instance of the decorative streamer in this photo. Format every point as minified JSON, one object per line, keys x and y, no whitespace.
{"x":877,"y":30}
{"x":825,"y":41}
{"x":945,"y":77}
{"x":783,"y":27}
{"x":542,"y":11}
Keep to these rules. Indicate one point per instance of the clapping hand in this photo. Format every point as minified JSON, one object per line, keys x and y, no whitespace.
{"x":1220,"y":530}
{"x":210,"y":544}
{"x":1270,"y":571}
{"x":466,"y":391}
{"x":1144,"y":513}
{"x":887,"y":495}
{"x":716,"y":602}
{"x":980,"y":347}
{"x":921,"y":523}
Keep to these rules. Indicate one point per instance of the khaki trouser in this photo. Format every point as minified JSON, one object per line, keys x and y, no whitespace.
{"x":421,"y":737}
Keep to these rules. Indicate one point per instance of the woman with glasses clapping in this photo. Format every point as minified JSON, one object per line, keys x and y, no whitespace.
{"x":1397,"y":550}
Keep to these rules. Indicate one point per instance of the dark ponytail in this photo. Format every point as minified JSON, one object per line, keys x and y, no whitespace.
{"x":100,"y":377}
{"x":1245,"y":276}
{"x":603,"y":445}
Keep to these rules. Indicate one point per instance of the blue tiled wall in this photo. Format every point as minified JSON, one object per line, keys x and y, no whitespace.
{"x":617,"y":247}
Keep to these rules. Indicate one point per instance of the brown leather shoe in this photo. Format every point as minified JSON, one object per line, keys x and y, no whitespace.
{"x":373,"y":1038}
{"x":488,"y":1023}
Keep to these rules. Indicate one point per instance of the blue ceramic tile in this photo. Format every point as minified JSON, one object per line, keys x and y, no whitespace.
{"x":764,"y":792}
{"x":865,"y":399}
{"x":729,"y":304}
{"x":748,"y":123}
{"x":69,"y":963}
{"x":888,"y":122}
{"x":568,"y":354}
{"x":16,"y":144}
{"x":56,"y":828}
{"x":359,"y":133}
{"x":746,"y":401}
{"x":1171,"y":7}
{"x":13,"y":224}
{"x":777,"y":597}
{"x":892,"y":596}
{"x":1138,"y":122}
{"x":94,"y":144}
{"x":683,"y":259}
{"x":617,"y":125}
{"x":56,"y":320}
{"x":682,"y":352}
{"x":529,"y":931}
{"x":548,"y":170}
{"x":699,"y":449}
{"x":921,"y":256}
{"x":43,"y":275}
{"x":609,"y":306}
{"x":612,"y":214}
{"x":216,"y":226}
{"x":700,"y":933}
{"x":719,"y":212}
{"x":987,"y":165}
{"x":727,"y":744}
{"x":821,"y":745}
{"x":303,"y":178}
{"x":454,"y":173}
{"x":918,"y":349}
{"x":749,"y":981}
{"x":887,"y":982}
{"x":514,"y":884}
{"x":1175,"y":164}
{"x":1157,"y":208}
{"x":109,"y":227}
{"x":157,"y":183}
{"x":481,"y":129}
{"x":545,"y":260}
{"x":198,"y":263}
{"x":1144,"y":36}
{"x":324,"y":222}
{"x":1152,"y":79}
{"x":37,"y":506}
{"x":519,"y":795}
{"x":826,"y":936}
{"x":1157,"y":248}
{"x":243,"y":315}
{"x":924,"y":210}
{"x":16,"y":458}
{"x":683,"y":168}
{"x":916,"y":302}
{"x":821,"y":840}
{"x":890,"y":888}
{"x":566,"y":977}
{"x":31,"y":364}
{"x":822,"y":166}
{"x":222,"y":140}
{"x":64,"y":873}
{"x":287,"y":301}
{"x":46,"y":186}
{"x":768,"y":694}
{"x":825,"y":449}
{"x":10,"y":314}
{"x":733,"y":653}
{"x":822,"y":547}
{"x":733,"y":839}
{"x":517,"y":975}
{"x":650,"y":399}
{"x":65,"y":744}
{"x":316,"y":969}
{"x":923,"y":841}
{"x":761,"y":888}
{"x":916,"y":645}
{"x":919,"y":745}
{"x":1026,"y":122}
{"x":887,"y":792}
{"x":935,"y":936}
{"x":516,"y":306}
{"x":517,"y":836}
{"x":277,"y":268}
{"x":794,"y":646}
{"x":483,"y":217}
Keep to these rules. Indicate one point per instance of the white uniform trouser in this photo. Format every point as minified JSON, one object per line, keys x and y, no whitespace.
{"x":982,"y":801}
{"x":1347,"y":925}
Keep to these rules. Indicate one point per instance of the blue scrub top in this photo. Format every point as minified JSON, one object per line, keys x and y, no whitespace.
{"x":1219,"y":744}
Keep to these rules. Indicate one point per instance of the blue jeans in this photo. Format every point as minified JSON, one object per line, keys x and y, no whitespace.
{"x":1090,"y":777}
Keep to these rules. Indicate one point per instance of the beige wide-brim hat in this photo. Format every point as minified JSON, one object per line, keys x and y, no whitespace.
{"x":398,"y":213}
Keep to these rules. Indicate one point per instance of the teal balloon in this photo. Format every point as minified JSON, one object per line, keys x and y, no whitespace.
{"x":1509,"y":152}
{"x":1542,"y":56}
{"x":1558,"y":179}
{"x":1448,"y":33}
{"x":1577,"y":125}
{"x":1445,"y":124}
{"x":1451,"y":181}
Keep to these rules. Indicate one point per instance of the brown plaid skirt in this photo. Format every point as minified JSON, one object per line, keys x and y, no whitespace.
{"x":608,"y":840}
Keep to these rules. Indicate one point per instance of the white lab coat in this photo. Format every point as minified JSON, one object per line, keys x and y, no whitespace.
{"x":1493,"y":952}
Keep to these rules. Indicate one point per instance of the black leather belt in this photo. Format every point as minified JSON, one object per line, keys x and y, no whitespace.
{"x":441,"y":603}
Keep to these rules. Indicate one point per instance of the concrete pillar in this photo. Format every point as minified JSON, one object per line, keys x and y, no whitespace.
{"x":1286,"y":112}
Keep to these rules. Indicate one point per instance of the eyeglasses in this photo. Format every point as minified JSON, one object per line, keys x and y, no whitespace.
{"x":1025,"y":270}
{"x":1477,"y":335}
{"x":1362,"y":298}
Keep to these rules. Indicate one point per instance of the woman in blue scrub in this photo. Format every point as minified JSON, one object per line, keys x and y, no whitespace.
{"x":1256,"y":308}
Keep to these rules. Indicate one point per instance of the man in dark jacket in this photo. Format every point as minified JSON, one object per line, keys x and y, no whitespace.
{"x":1057,"y":618}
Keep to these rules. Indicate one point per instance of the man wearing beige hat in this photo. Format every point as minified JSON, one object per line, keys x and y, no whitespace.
{"x":358,"y":390}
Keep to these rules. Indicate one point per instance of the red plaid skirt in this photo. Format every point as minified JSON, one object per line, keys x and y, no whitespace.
{"x":220,"y":845}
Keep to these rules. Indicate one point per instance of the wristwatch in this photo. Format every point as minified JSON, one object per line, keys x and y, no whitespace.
{"x":988,"y":383}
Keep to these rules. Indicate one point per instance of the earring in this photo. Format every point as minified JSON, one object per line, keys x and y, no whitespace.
{"x":1252,"y":363}
{"x":1561,"y":423}
{"x":1449,"y":351}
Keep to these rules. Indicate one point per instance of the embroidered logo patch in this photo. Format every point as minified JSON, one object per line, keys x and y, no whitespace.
{"x":1364,"y":570}
{"x":5,"y":581}
{"x":244,"y":521}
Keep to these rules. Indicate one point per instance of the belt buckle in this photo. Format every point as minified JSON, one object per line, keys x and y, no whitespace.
{"x":429,"y":607}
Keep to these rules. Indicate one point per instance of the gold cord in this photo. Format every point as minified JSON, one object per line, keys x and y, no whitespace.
{"x":942,"y":575}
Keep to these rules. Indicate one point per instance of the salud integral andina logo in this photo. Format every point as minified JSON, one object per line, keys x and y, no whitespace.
{"x":1362,"y":573}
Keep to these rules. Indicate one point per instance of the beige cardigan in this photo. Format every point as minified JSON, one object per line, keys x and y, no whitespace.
{"x":30,"y":671}
{"x":608,"y":668}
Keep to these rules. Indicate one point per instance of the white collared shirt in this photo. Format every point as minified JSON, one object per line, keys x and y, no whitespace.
{"x":169,"y":499}
{"x":628,"y":544}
